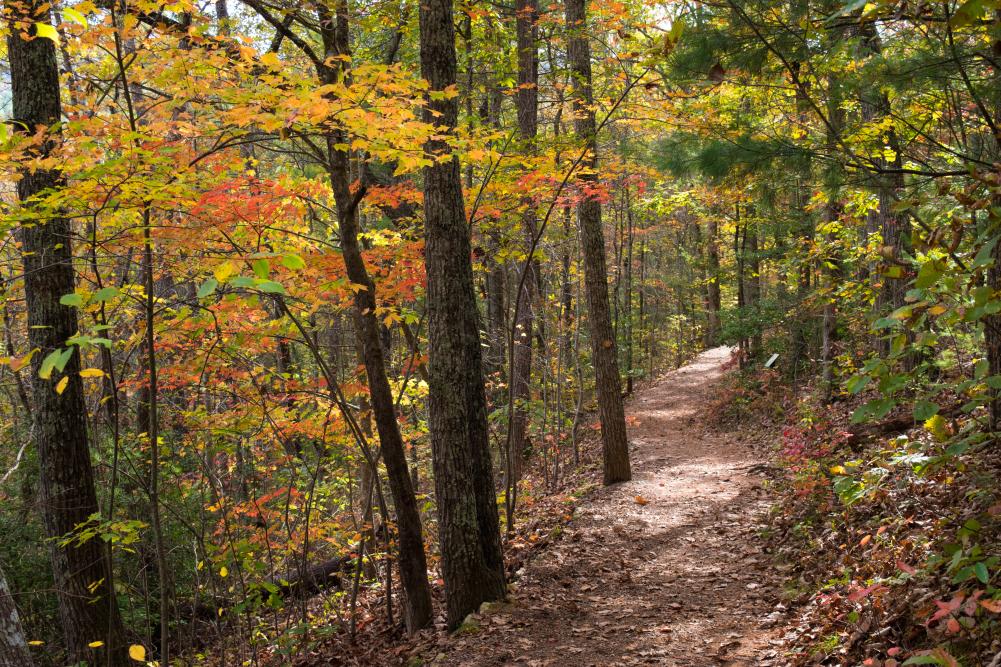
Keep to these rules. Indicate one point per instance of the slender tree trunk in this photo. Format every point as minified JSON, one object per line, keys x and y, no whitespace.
{"x":468,"y":524}
{"x":831,"y":270}
{"x":615,"y":448}
{"x":753,"y":285}
{"x":522,"y":334}
{"x":628,"y":304}
{"x":713,"y":298}
{"x":740,"y":253}
{"x":14,"y":650}
{"x":992,"y":323}
{"x":413,"y":564}
{"x":82,"y":572}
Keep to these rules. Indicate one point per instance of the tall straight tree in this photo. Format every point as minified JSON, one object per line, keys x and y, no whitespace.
{"x":413,"y":564}
{"x":615,"y":449}
{"x":330,"y":67}
{"x":82,"y":571}
{"x":527,"y":105}
{"x":468,"y":524}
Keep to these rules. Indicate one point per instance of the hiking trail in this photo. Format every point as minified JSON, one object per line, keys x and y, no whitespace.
{"x":665,"y":569}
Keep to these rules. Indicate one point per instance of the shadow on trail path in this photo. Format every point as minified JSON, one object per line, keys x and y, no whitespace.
{"x":662,"y":570}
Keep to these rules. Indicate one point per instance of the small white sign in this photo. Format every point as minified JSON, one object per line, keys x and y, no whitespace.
{"x":771,"y":360}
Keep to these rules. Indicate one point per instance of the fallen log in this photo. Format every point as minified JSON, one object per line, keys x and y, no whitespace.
{"x":314,"y":578}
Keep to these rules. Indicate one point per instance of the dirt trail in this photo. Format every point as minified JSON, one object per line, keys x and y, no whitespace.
{"x":663,"y":570}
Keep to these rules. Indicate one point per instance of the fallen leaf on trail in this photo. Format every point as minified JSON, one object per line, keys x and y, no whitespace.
{"x":640,"y":500}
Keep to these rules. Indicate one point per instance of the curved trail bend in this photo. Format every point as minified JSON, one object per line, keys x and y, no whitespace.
{"x":663,"y":570}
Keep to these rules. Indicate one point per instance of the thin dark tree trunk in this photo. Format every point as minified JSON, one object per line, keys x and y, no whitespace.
{"x":615,"y":448}
{"x":82,"y":572}
{"x":713,"y":298}
{"x":527,"y":104}
{"x":739,"y":251}
{"x":413,"y":564}
{"x":468,"y":524}
{"x":753,"y":285}
{"x":628,"y":304}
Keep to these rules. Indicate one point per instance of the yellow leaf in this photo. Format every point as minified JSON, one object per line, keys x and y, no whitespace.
{"x":91,"y":373}
{"x":46,"y":31}
{"x":137,"y":652}
{"x":223,"y":572}
{"x":271,"y":60}
{"x":938,"y":427}
{"x":224,"y":271}
{"x":61,"y":385}
{"x":838,"y":470}
{"x":937,"y":310}
{"x":36,"y":642}
{"x":97,"y":644}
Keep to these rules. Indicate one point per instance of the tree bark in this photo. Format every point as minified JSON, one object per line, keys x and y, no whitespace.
{"x":418,"y":612}
{"x":527,"y":103}
{"x":713,"y":298}
{"x":753,"y":285}
{"x":615,"y":448}
{"x":82,"y":572}
{"x":468,"y":524}
{"x":14,"y":650}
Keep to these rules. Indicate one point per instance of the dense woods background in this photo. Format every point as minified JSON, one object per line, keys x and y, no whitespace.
{"x":295,"y":294}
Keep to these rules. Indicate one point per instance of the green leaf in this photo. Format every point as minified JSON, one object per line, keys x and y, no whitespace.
{"x":925,"y":410}
{"x":926,"y":659}
{"x":262,"y":268}
{"x":293,"y":262}
{"x":54,"y":360}
{"x":207,"y":287}
{"x":48,"y":363}
{"x":74,"y":300}
{"x":985,"y":255}
{"x":969,"y":12}
{"x":63,"y":359}
{"x":46,"y":31}
{"x":848,"y":9}
{"x":105,"y":293}
{"x":873,"y":410}
{"x":928,"y":274}
{"x":857,"y":383}
{"x":271,"y":287}
{"x":242,"y":281}
{"x":981,"y":571}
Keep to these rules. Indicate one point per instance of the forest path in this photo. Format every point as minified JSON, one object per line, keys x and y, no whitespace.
{"x":663,"y":570}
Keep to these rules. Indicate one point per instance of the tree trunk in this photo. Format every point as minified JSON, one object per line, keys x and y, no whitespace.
{"x":14,"y":650}
{"x":82,"y":572}
{"x":615,"y":448}
{"x":413,"y":564}
{"x":469,"y":528}
{"x":527,"y":102}
{"x":628,"y":302}
{"x":739,"y":252}
{"x":753,"y":285}
{"x":713,"y":299}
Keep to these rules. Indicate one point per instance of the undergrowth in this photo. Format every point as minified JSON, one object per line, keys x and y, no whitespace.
{"x":888,"y":532}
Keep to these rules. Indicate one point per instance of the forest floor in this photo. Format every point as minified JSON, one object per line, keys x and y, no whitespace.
{"x":667,"y":569}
